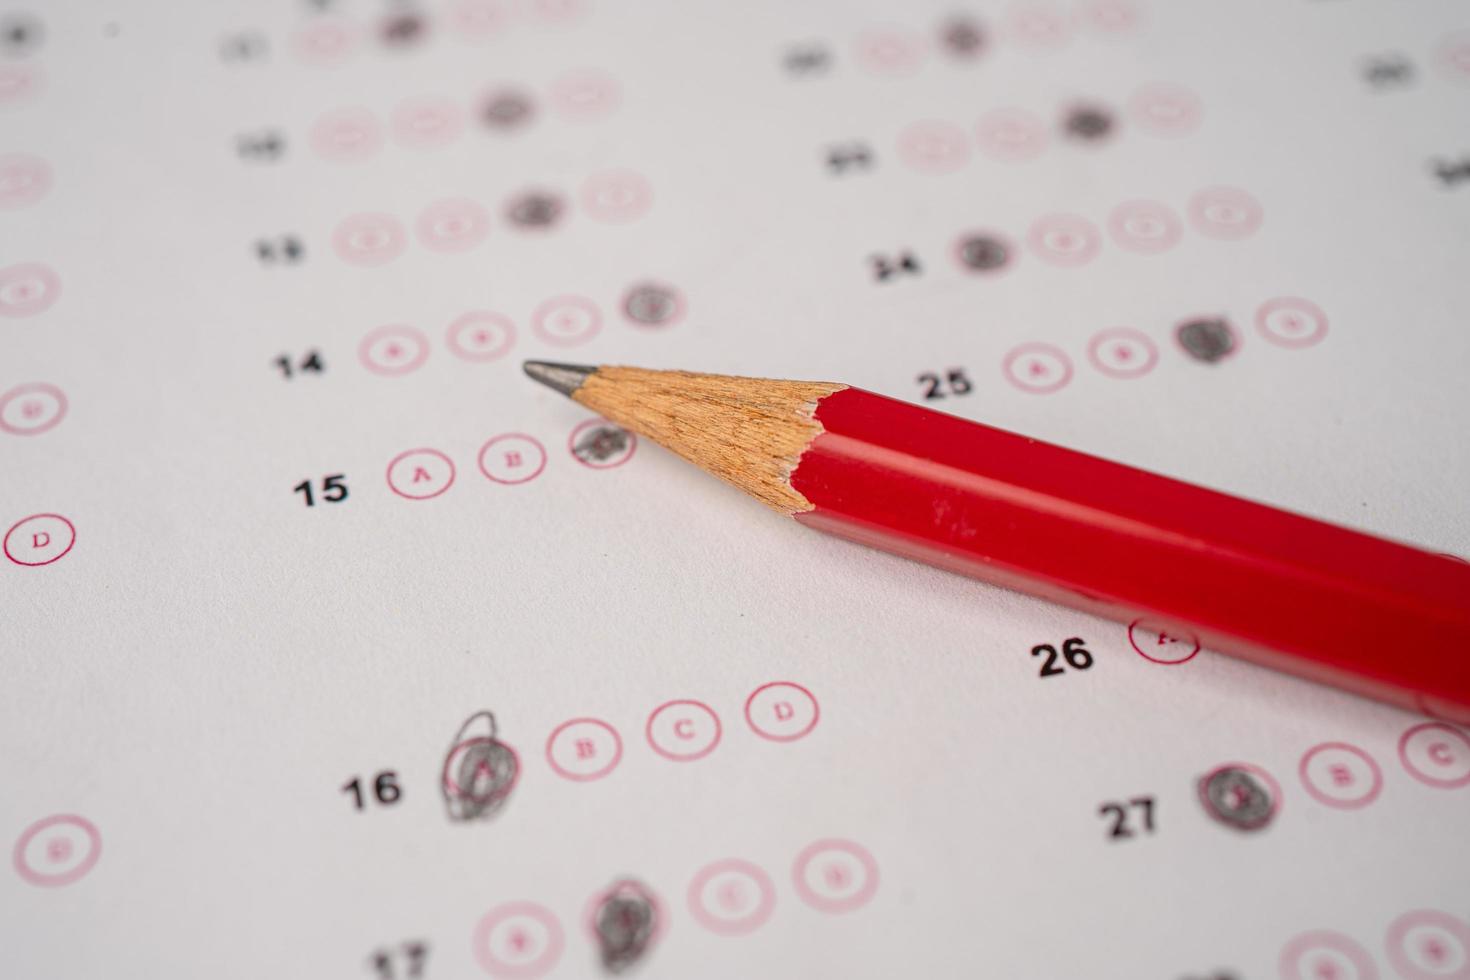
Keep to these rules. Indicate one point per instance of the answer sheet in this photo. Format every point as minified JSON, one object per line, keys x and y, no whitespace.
{"x":335,"y":647}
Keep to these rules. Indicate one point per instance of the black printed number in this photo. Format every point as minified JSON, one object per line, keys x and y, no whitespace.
{"x":1077,"y":656}
{"x":384,"y":789}
{"x":1122,"y":827}
{"x":334,"y":489}
{"x":407,"y":960}
{"x":310,"y":361}
{"x":954,"y":381}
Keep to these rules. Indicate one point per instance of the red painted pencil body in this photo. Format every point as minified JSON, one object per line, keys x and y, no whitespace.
{"x":1334,"y":605}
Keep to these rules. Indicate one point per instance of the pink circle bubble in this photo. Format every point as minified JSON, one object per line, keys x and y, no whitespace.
{"x":1325,"y":955}
{"x":1065,"y":240}
{"x":420,"y":474}
{"x":1164,"y":109}
{"x":479,"y":19}
{"x":30,"y":409}
{"x":782,"y":711}
{"x":18,"y":83}
{"x":1109,"y":16}
{"x":1225,"y":213}
{"x":452,"y":225}
{"x":890,"y":51}
{"x":27,"y":289}
{"x":585,"y":95}
{"x":1145,"y":226}
{"x":1436,"y":754}
{"x":566,"y":321}
{"x":426,"y":121}
{"x":347,"y":135}
{"x":39,"y":539}
{"x":1341,"y":775}
{"x":393,"y":350}
{"x":1122,"y":352}
{"x":584,"y":749}
{"x":481,"y":336}
{"x":512,"y":458}
{"x":324,"y":42}
{"x":369,"y":239}
{"x":731,"y":897}
{"x":616,"y":196}
{"x":600,"y":445}
{"x":1454,"y":54}
{"x":518,"y":940}
{"x":835,"y":875}
{"x":626,"y":887}
{"x":1427,"y":944}
{"x":934,"y":147}
{"x":1162,"y":644}
{"x":57,"y":850}
{"x":1037,"y":25}
{"x":1290,"y":321}
{"x":683,"y":730}
{"x":24,"y":180}
{"x":1038,"y":368}
{"x":1011,"y":135}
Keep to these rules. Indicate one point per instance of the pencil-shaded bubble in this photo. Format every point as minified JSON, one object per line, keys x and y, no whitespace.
{"x":1206,"y":339}
{"x":651,"y":304}
{"x":20,"y":34}
{"x":983,"y":253}
{"x":1088,"y":123}
{"x":962,"y":37}
{"x":403,"y":30}
{"x":1237,"y":798}
{"x":506,"y":109}
{"x":600,"y":443}
{"x":626,"y":921}
{"x":534,"y":209}
{"x":479,"y":770}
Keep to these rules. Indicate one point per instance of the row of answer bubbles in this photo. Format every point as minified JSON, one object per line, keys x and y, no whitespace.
{"x":460,"y":224}
{"x":1070,"y":241}
{"x":327,"y":40}
{"x":353,"y":134}
{"x":394,"y":350}
{"x":508,"y":458}
{"x":896,"y":51}
{"x":728,"y":897}
{"x":1421,"y":944}
{"x":1015,"y":135}
{"x":1125,"y":353}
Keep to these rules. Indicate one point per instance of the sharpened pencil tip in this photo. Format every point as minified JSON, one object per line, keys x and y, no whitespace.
{"x":565,"y":378}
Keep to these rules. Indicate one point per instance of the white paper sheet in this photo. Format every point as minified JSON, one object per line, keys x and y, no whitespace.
{"x":198,"y":665}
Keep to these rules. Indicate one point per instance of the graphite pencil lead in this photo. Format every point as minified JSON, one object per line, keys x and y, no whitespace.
{"x":565,"y":378}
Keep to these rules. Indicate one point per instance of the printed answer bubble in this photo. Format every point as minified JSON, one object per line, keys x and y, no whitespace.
{"x":888,"y":51}
{"x":934,"y":147}
{"x":1121,"y":352}
{"x":1011,"y":135}
{"x":1145,"y":226}
{"x":481,"y":335}
{"x":1289,"y":321}
{"x":584,"y":749}
{"x":1164,"y":109}
{"x":1341,"y":775}
{"x":393,"y":350}
{"x":782,"y":711}
{"x":566,"y":320}
{"x":30,"y":409}
{"x":518,"y":940}
{"x":427,"y":121}
{"x":39,"y":539}
{"x":1427,"y":944}
{"x":616,"y":196}
{"x":1225,"y":213}
{"x":480,"y":771}
{"x":369,"y":239}
{"x":584,"y":95}
{"x":1436,"y":754}
{"x":1162,"y":644}
{"x":512,"y":458}
{"x":835,"y":875}
{"x":27,"y":289}
{"x":731,"y":897}
{"x":1038,"y":368}
{"x":24,"y":180}
{"x":1066,"y":240}
{"x":1324,"y":955}
{"x":453,"y":225}
{"x":420,"y":474}
{"x":347,"y":135}
{"x":984,"y":253}
{"x":626,"y":921}
{"x":57,"y":850}
{"x":683,"y":730}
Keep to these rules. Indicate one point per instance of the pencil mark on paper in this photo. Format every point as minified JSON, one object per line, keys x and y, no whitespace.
{"x":651,"y":304}
{"x":534,"y":209}
{"x":1235,"y":797}
{"x":625,"y":920}
{"x":479,"y":770}
{"x":1206,"y":339}
{"x":600,"y":443}
{"x":983,"y":253}
{"x":1088,"y":123}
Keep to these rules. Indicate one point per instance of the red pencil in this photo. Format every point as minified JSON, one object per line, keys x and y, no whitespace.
{"x":1324,"y":602}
